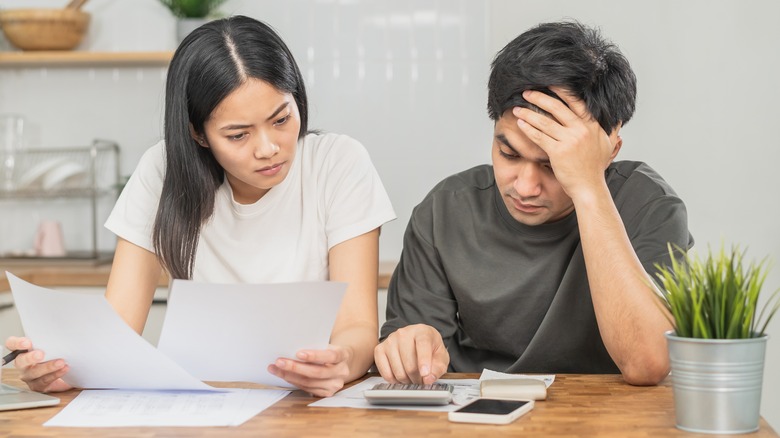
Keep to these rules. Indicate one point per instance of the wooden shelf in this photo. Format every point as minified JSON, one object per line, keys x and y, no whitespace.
{"x":74,"y":273}
{"x":83,"y":58}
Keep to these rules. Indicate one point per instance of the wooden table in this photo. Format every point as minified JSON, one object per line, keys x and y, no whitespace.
{"x":578,"y":405}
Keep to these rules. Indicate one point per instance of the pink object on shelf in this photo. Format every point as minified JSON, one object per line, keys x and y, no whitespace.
{"x":48,"y":240}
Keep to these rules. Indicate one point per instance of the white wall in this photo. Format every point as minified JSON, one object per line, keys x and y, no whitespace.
{"x":706,"y":115}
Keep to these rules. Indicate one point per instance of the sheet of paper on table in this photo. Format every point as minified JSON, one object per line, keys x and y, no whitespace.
{"x":352,"y":397}
{"x":119,"y":408}
{"x":487,"y":374}
{"x":465,"y":391}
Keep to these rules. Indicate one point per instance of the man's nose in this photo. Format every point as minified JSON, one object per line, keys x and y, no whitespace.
{"x":528,"y":180}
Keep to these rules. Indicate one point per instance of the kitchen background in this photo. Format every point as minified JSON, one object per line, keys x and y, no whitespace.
{"x":408,"y":79}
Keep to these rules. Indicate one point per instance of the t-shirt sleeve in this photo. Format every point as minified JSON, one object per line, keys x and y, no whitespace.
{"x":134,"y":212}
{"x":657,"y":225}
{"x":355,"y":201}
{"x":419,"y":291}
{"x":654,"y":216}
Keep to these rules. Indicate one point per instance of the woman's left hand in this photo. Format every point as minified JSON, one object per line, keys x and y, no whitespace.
{"x":319,"y":372}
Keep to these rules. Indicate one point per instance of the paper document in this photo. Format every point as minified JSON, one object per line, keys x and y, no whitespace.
{"x":352,"y":397}
{"x":465,"y":391}
{"x":232,"y":332}
{"x":487,"y":374}
{"x":101,"y":350}
{"x":120,"y":408}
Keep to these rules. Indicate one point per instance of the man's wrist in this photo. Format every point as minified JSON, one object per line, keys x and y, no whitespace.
{"x":590,"y":196}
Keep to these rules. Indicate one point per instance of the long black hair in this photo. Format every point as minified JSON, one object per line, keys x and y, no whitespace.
{"x":567,"y":54}
{"x":209,"y":64}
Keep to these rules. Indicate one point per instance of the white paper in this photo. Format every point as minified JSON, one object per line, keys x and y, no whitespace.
{"x":352,"y":397}
{"x":487,"y":374}
{"x":465,"y":391}
{"x":100,"y":349}
{"x":232,"y":332}
{"x":119,"y":408}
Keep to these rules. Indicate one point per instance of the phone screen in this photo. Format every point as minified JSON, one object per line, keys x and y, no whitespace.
{"x":491,"y":406}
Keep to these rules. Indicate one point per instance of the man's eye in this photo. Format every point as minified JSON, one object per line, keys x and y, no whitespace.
{"x":282,"y":121}
{"x":508,"y":156}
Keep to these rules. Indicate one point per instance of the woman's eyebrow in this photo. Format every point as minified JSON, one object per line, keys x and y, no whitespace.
{"x":278,"y":110}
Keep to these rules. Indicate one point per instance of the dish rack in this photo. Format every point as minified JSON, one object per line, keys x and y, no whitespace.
{"x":69,"y":176}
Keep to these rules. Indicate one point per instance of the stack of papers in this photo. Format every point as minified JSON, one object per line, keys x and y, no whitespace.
{"x":163,"y":387}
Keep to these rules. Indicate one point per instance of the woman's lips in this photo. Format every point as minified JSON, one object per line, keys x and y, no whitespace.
{"x":271,"y":170}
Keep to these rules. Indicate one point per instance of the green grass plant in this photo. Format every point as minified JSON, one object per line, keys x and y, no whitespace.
{"x":716,"y":298}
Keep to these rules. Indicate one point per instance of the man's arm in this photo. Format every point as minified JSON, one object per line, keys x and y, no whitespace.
{"x":420,"y":310}
{"x":629,"y":317}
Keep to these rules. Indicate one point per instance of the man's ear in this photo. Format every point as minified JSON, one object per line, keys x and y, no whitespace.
{"x":199,"y":138}
{"x":617,"y":142}
{"x":616,"y":149}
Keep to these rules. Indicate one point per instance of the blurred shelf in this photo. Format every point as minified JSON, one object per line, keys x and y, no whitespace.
{"x":55,"y":193}
{"x":72,"y":259}
{"x":70,"y":272}
{"x":83,"y":59}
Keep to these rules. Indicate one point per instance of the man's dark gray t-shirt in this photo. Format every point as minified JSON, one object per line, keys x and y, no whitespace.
{"x":513,"y":297}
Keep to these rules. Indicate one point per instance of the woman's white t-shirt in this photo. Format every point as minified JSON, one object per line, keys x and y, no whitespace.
{"x":331,"y":194}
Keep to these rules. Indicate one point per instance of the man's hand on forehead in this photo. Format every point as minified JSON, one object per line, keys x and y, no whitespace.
{"x":578,"y":148}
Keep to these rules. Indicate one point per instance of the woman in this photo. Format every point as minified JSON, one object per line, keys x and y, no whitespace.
{"x":240,"y":192}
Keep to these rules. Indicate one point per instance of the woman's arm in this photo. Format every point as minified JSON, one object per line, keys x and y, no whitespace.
{"x":355,"y":333}
{"x":356,"y":262}
{"x":135,"y":273}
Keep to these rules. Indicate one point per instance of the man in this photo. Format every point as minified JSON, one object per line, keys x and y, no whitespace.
{"x":541,"y":262}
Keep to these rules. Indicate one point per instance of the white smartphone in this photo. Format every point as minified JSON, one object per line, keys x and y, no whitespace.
{"x":409,"y":394}
{"x":491,"y":411}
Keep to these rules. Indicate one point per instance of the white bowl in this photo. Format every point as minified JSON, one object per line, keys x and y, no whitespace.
{"x":66,"y":176}
{"x":32,"y":179}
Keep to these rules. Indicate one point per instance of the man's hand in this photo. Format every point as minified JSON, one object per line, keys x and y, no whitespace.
{"x":413,"y":354}
{"x":578,"y":148}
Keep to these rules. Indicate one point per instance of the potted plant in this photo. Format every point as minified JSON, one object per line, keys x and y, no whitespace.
{"x":717,"y":347}
{"x":191,"y":14}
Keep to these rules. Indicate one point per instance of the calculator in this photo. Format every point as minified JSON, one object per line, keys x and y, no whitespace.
{"x":409,"y":394}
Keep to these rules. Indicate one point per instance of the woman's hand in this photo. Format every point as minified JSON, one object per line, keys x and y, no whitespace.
{"x":319,"y":372}
{"x":39,"y":376}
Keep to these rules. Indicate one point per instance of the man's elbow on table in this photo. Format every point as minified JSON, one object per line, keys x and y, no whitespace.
{"x":646,"y":371}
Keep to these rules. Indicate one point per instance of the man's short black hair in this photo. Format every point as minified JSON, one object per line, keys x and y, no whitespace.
{"x":570,"y":55}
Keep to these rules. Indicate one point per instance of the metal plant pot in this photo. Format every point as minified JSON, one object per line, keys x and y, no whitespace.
{"x":717,"y":383}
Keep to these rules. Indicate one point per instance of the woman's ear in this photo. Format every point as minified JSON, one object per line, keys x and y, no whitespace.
{"x":199,"y":138}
